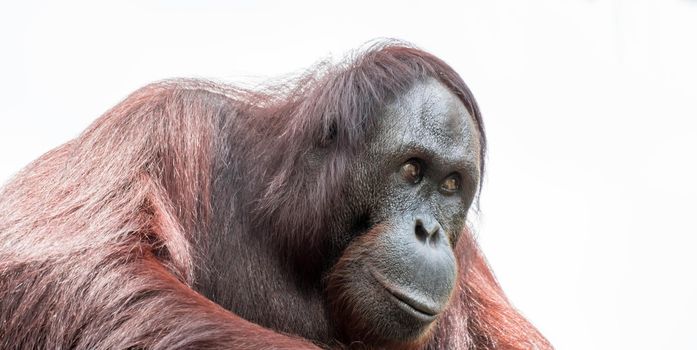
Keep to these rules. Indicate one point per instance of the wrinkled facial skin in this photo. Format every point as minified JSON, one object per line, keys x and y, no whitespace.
{"x":415,"y":184}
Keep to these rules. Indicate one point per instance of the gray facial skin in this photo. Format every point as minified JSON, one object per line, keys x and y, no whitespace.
{"x":407,"y":269}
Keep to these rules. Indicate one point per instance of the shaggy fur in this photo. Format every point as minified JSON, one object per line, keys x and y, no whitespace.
{"x":106,"y":241}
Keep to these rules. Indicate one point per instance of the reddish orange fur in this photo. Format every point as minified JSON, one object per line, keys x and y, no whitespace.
{"x":99,"y":237}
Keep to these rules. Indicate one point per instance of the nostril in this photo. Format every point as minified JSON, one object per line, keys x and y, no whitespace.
{"x":421,"y":232}
{"x":427,"y":233}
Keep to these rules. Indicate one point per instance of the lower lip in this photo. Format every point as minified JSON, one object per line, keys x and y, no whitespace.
{"x":405,"y":306}
{"x":421,"y":316}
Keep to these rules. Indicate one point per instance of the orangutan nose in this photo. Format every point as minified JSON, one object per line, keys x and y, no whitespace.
{"x":427,"y":230}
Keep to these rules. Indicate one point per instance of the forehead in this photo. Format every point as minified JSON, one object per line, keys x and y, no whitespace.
{"x":430,"y":117}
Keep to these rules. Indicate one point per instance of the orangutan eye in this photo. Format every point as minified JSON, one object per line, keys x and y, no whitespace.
{"x":411,"y":171}
{"x":451,"y":184}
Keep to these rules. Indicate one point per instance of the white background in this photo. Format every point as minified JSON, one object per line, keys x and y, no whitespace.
{"x":588,"y":210}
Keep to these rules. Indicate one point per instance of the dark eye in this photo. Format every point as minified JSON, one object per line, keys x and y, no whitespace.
{"x":450,"y":184}
{"x":411,"y":171}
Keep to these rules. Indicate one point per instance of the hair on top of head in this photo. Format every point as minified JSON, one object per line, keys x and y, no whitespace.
{"x":333,"y":105}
